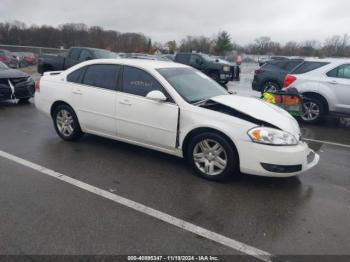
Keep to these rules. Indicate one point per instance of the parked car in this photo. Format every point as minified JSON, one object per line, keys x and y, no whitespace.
{"x":9,"y":59}
{"x":146,"y":57}
{"x":75,"y":55}
{"x":21,"y":59}
{"x":271,"y":75}
{"x":178,"y":110}
{"x":30,"y":58}
{"x":15,"y":84}
{"x":219,"y":70}
{"x":325,"y":85}
{"x":265,"y":60}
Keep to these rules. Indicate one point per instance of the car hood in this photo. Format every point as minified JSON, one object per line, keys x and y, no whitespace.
{"x":12,"y":73}
{"x":261,"y":110}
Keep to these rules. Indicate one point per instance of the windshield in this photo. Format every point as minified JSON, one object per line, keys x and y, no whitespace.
{"x":3,"y":66}
{"x":191,"y":84}
{"x":105,"y":54}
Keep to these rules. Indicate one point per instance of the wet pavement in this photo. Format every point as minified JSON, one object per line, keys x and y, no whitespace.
{"x":304,"y":215}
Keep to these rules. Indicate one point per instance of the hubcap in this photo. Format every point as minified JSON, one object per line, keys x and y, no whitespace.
{"x":210,"y":157}
{"x":270,"y":87}
{"x":311,"y":111}
{"x":65,"y":122}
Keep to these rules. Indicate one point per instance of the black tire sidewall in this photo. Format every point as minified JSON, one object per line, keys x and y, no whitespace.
{"x":77,"y":133}
{"x":268,"y":84}
{"x":231,"y":152}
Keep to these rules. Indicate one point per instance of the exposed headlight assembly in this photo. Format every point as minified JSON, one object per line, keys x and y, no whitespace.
{"x":271,"y":136}
{"x":226,"y":68}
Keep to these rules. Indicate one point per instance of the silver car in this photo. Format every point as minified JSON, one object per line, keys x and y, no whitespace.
{"x":325,"y":84}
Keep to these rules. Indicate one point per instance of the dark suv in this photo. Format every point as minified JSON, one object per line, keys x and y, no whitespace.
{"x":271,"y":75}
{"x":219,"y":70}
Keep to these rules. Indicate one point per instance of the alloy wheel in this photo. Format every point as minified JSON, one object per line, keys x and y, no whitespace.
{"x":311,"y":111}
{"x":210,"y":157}
{"x":65,"y":123}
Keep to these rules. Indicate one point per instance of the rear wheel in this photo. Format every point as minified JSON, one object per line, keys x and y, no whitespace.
{"x":66,"y":123}
{"x":313,"y":110}
{"x":212,"y":156}
{"x":270,"y":87}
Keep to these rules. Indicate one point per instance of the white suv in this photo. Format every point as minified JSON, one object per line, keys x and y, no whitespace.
{"x":325,"y":85}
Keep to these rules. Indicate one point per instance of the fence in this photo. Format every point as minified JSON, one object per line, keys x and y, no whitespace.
{"x":38,"y":50}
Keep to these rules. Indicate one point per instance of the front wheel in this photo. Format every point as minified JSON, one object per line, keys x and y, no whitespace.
{"x":66,"y":123}
{"x":212,"y":156}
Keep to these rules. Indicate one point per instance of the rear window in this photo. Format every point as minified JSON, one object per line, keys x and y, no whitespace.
{"x":308,"y":67}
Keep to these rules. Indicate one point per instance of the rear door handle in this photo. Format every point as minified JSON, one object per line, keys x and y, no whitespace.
{"x":77,"y":92}
{"x":125,"y":102}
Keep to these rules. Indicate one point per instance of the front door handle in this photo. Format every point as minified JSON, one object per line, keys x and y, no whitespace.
{"x":333,"y":82}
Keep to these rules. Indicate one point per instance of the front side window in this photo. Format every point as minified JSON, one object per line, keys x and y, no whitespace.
{"x":192,"y":85}
{"x":183,"y":58}
{"x":342,"y":71}
{"x":103,"y":76}
{"x":139,"y":82}
{"x":74,"y":54}
{"x":195,"y":59}
{"x":85,"y":55}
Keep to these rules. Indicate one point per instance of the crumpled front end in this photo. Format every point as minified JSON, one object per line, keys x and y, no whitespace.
{"x":16,"y":88}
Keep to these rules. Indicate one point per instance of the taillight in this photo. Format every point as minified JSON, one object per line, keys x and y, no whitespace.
{"x":290,"y":79}
{"x":37,"y":85}
{"x":3,"y":58}
{"x":259,"y":71}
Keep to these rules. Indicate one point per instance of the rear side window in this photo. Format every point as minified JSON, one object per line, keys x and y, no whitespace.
{"x":103,"y":76}
{"x":183,"y":58}
{"x":308,"y":67}
{"x":139,"y":82}
{"x":291,"y":65}
{"x":76,"y":76}
{"x":342,"y":71}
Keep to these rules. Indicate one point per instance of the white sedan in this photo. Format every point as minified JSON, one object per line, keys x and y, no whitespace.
{"x":177,"y":110}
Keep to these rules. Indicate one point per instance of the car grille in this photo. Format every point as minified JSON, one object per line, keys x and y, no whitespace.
{"x":19,"y":80}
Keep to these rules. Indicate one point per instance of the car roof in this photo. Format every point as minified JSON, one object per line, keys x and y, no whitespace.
{"x":142,"y":63}
{"x":328,"y":60}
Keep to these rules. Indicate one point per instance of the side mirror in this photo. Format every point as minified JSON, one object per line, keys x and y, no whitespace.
{"x":156,"y":95}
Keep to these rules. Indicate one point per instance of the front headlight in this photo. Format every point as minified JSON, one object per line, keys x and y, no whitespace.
{"x":271,"y":136}
{"x":226,"y":69}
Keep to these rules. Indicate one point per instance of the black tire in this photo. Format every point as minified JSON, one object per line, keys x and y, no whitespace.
{"x":270,"y":86}
{"x":232,"y":160}
{"x":24,"y":100}
{"x":318,"y":104}
{"x":76,"y":133}
{"x":215,"y":76}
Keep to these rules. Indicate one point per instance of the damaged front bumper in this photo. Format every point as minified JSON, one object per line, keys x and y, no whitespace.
{"x":16,"y":88}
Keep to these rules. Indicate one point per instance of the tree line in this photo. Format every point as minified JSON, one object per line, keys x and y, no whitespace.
{"x":72,"y":34}
{"x":78,"y":34}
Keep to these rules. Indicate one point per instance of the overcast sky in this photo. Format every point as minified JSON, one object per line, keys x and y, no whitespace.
{"x":163,"y":20}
